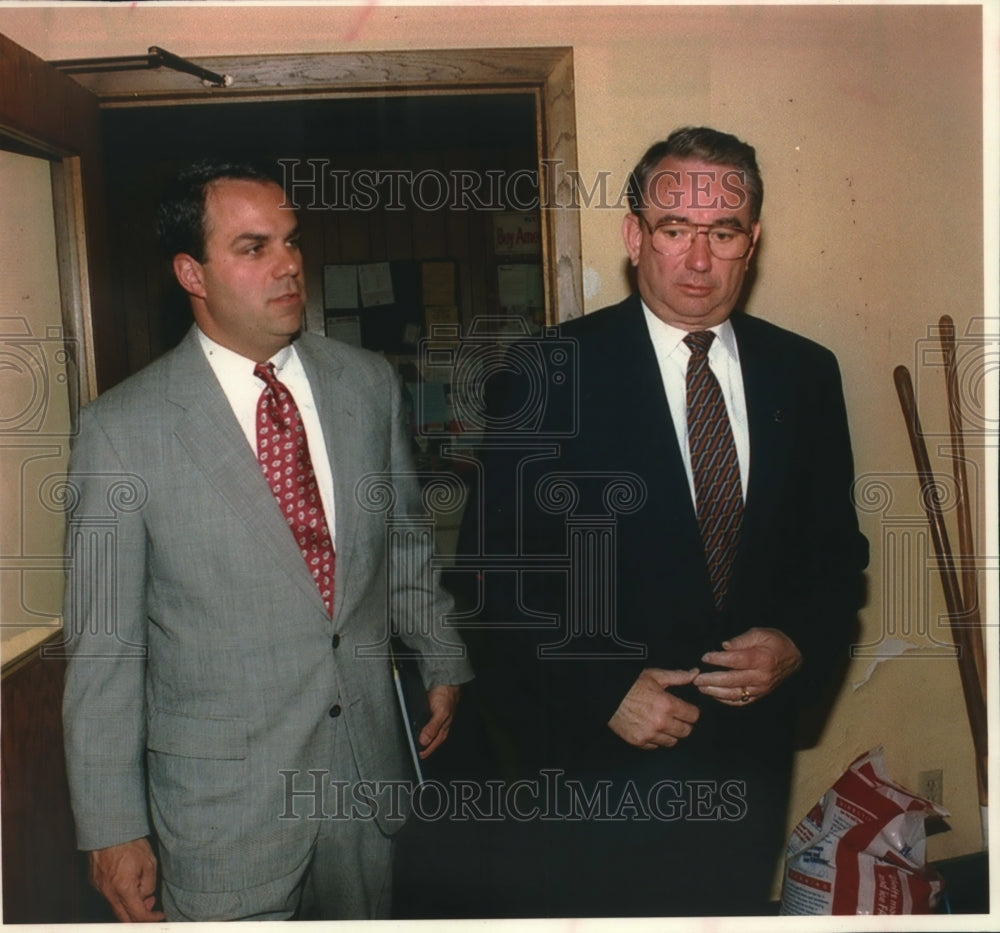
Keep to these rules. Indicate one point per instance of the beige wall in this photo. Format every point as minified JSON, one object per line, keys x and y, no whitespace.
{"x":867,"y":122}
{"x":34,"y":406}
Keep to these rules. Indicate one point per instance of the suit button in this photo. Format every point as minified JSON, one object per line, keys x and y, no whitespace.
{"x":336,"y":641}
{"x":335,"y":711}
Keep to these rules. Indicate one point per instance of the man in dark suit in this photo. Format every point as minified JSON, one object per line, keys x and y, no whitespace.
{"x":690,"y":564}
{"x":242,"y":545}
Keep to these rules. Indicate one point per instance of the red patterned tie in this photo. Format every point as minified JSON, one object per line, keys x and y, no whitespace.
{"x":716,"y":469}
{"x":283,"y":452}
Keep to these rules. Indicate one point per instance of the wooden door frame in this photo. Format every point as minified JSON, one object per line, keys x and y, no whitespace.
{"x":546,"y":72}
{"x":45,"y":114}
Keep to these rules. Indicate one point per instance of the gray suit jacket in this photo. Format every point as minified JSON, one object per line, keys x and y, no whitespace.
{"x":205,"y":678}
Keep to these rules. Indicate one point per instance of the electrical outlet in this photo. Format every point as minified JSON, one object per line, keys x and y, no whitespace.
{"x":930,"y":785}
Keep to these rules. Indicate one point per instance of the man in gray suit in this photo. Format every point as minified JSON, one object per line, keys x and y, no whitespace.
{"x":224,"y":694}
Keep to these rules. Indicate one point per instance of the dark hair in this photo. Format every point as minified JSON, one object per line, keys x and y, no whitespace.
{"x":180,"y":220}
{"x":707,"y":145}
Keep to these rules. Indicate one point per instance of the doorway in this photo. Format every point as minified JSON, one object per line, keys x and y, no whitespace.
{"x":417,"y":191}
{"x":438,"y":88}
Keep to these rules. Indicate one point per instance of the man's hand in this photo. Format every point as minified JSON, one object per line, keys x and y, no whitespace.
{"x":759,"y":661}
{"x":650,"y":717}
{"x":126,"y":875}
{"x":442,"y":700}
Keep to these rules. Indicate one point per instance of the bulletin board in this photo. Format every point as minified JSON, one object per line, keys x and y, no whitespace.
{"x":389,"y":306}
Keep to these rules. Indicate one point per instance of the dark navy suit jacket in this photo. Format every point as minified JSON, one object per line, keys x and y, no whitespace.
{"x":798,"y":569}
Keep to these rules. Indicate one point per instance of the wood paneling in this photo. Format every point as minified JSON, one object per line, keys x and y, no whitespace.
{"x":44,"y":877}
{"x":146,"y":147}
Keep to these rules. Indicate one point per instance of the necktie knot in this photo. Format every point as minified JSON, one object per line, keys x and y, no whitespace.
{"x":265,"y":372}
{"x":275,"y":398}
{"x":699,"y":341}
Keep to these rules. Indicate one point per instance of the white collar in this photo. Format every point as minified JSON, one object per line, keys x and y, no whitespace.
{"x":229,"y":363}
{"x":668,"y":338}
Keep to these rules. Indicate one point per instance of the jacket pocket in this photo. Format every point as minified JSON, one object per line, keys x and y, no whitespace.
{"x":197,"y":736}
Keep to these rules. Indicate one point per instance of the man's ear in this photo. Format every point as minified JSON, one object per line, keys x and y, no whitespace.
{"x":755,"y":234}
{"x":190,"y":274}
{"x":632,"y":235}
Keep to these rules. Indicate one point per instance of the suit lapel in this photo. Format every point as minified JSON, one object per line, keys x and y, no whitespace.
{"x":649,"y":420}
{"x":769,"y":411}
{"x":209,"y":431}
{"x":339,"y":414}
{"x":641,"y":425}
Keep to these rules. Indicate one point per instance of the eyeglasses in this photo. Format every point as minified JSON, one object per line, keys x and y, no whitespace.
{"x":675,"y":239}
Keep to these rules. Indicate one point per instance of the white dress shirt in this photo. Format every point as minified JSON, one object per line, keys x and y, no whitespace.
{"x":243,"y":389}
{"x":673,"y":354}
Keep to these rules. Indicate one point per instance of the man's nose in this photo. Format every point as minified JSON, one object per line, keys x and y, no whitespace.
{"x":289,"y":262}
{"x":699,"y":256}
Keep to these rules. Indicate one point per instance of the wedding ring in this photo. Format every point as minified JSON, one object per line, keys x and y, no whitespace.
{"x":745,"y":696}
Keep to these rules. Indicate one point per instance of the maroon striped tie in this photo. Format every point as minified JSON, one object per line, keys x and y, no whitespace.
{"x":283,"y":452}
{"x":716,"y":469}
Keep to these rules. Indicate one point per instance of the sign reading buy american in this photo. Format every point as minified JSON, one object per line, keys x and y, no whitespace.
{"x":515,"y":233}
